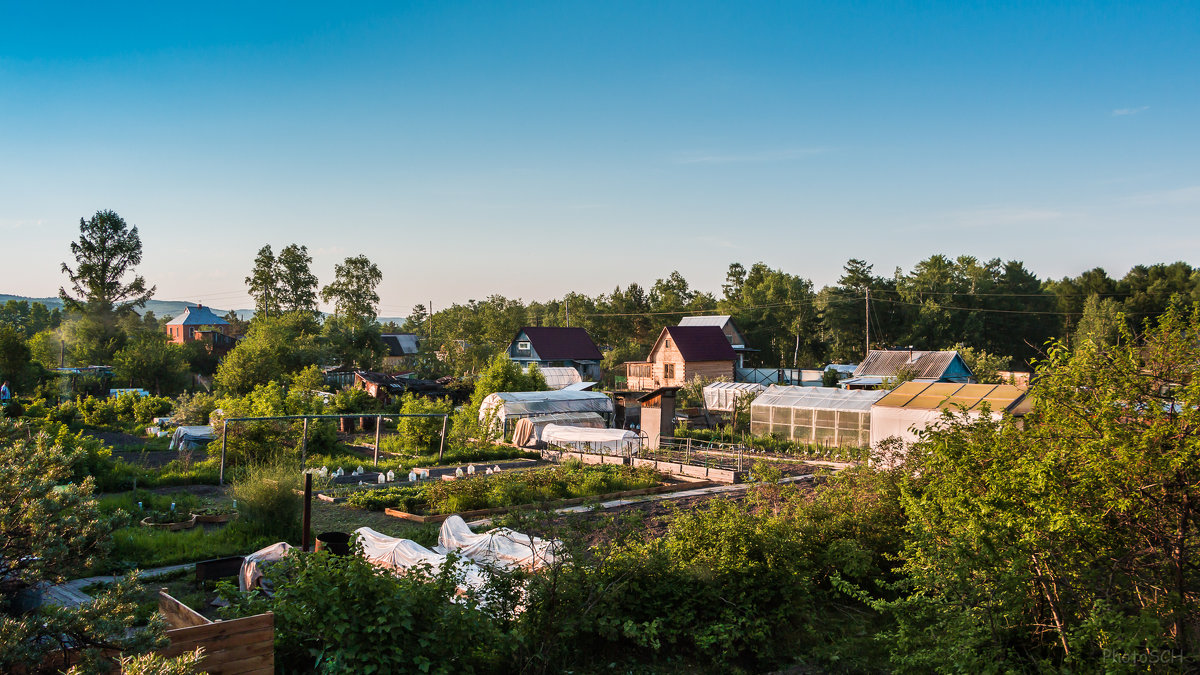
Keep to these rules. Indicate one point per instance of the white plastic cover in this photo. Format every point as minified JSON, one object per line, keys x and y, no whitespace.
{"x":252,"y":565}
{"x":500,"y":547}
{"x":401,"y":554}
{"x":559,"y":377}
{"x":518,"y":404}
{"x":907,"y":423}
{"x":610,"y":440}
{"x":722,"y":395}
{"x":188,"y":436}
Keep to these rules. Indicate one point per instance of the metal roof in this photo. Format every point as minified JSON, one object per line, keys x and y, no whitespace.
{"x":926,"y":365}
{"x":197,"y":316}
{"x":817,"y":398}
{"x":942,"y":395}
{"x":562,"y":344}
{"x":401,"y":344}
{"x":718,"y":321}
{"x":701,"y":343}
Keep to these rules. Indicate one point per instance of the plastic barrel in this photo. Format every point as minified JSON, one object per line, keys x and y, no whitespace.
{"x":337,"y":543}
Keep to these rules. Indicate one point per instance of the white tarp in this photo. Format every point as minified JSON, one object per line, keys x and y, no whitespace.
{"x":187,"y":437}
{"x":516,"y":404}
{"x":722,"y":395}
{"x":609,"y":440}
{"x":252,"y":565}
{"x":499,"y":547}
{"x":402,"y":554}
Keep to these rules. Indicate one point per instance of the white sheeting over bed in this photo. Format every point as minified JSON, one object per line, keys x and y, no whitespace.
{"x":402,"y":554}
{"x":500,"y":547}
{"x":252,"y":565}
{"x":609,"y":440}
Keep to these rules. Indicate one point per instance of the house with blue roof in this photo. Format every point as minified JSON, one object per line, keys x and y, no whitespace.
{"x":200,"y":324}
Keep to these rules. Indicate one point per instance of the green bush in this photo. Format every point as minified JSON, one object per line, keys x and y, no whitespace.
{"x":421,"y":433}
{"x":193,"y":409}
{"x":267,"y":500}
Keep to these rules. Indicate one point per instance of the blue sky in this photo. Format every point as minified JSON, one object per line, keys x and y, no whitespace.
{"x":528,"y":149}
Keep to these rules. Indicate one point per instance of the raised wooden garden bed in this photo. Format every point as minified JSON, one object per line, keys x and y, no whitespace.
{"x":467,"y":515}
{"x":215,"y":517}
{"x":172,"y":527}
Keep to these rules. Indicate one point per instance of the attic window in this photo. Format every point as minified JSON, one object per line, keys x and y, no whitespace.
{"x":668,"y":344}
{"x":523,"y":346}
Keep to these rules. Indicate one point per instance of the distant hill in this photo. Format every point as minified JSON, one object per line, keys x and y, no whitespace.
{"x":160,"y":308}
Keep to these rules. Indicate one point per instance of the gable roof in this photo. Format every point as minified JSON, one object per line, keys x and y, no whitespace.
{"x":701,"y":343}
{"x":400,"y":344}
{"x":925,"y":365}
{"x":561,"y":344}
{"x":197,"y":316}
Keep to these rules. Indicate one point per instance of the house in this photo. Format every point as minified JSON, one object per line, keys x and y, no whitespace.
{"x":557,"y":348}
{"x":727,"y":326}
{"x":199,"y":324}
{"x":881,"y":365}
{"x":400,"y":346}
{"x":680,"y":355}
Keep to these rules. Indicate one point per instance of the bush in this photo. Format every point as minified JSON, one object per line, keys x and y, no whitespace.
{"x":421,"y":433}
{"x":193,"y":409}
{"x":267,"y":499}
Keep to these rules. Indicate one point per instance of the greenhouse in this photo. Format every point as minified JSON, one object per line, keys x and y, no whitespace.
{"x":820,"y":415}
{"x":721,"y":396}
{"x":506,"y":407}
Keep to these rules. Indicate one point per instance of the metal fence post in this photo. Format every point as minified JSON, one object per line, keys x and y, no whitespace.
{"x":224,"y":428}
{"x":442,"y":444}
{"x":378,"y":423}
{"x":304,"y":445}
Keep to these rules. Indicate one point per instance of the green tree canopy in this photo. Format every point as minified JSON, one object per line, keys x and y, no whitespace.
{"x":105,"y":253}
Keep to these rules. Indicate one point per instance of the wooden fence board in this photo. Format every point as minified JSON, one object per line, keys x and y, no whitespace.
{"x":177,"y":614}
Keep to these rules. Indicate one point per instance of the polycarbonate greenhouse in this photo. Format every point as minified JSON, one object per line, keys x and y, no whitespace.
{"x":819,"y":415}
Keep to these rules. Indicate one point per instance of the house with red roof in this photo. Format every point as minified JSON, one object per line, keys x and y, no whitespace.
{"x":552,"y":347}
{"x":680,"y":355}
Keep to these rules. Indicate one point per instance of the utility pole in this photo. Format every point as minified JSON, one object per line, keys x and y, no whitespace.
{"x":868,"y":323}
{"x":568,"y":310}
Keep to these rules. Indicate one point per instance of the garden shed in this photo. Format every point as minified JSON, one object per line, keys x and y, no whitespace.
{"x":908,"y":409}
{"x":721,"y":396}
{"x":508,"y":406}
{"x":820,"y":415}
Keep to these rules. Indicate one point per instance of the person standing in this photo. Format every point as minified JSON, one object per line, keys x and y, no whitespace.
{"x":5,"y":394}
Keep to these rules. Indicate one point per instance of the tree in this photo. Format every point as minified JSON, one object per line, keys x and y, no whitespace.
{"x":107,"y":250}
{"x":51,"y":530}
{"x":151,"y":360}
{"x":14,"y":356}
{"x":985,"y":366}
{"x":1053,"y":544}
{"x":264,"y":283}
{"x":297,"y":285}
{"x":274,"y":348}
{"x":1100,"y":322}
{"x":353,"y":290}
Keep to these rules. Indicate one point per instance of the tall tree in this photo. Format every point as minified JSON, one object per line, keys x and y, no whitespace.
{"x":106,"y":251}
{"x":264,"y":283}
{"x":297,"y":285}
{"x":353,"y":290}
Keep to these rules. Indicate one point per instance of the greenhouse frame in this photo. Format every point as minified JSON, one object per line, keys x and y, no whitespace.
{"x":818,"y":415}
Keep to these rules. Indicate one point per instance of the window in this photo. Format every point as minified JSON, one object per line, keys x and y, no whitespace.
{"x":668,"y":371}
{"x":668,"y":343}
{"x":523,"y":346}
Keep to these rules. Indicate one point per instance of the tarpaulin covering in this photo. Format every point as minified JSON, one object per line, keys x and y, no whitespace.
{"x":580,"y":438}
{"x":402,"y":554}
{"x":499,"y":547}
{"x":528,"y":430}
{"x":516,"y":404}
{"x":252,"y":565}
{"x":722,"y":395}
{"x":189,"y":437}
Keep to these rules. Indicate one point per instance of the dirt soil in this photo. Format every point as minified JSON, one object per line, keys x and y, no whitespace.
{"x":115,"y":438}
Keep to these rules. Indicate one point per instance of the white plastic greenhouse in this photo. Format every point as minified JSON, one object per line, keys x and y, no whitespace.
{"x":720,"y":396}
{"x":509,"y":406}
{"x":604,"y":441}
{"x":560,"y":377}
{"x":821,"y":415}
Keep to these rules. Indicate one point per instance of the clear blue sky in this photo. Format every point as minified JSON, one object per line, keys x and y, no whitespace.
{"x":528,"y":149}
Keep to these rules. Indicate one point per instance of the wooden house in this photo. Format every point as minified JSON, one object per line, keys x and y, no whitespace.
{"x":732,"y":333}
{"x":550,"y":347}
{"x":401,"y":348}
{"x":680,"y":355}
{"x":881,"y":365}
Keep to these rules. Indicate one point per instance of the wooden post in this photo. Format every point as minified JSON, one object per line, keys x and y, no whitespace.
{"x":442,"y":444}
{"x":378,"y":423}
{"x":306,"y":521}
{"x":304,"y":445}
{"x":224,"y":428}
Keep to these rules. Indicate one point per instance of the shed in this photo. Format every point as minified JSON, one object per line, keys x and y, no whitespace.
{"x":821,"y":415}
{"x":910,"y":408}
{"x":721,"y":396}
{"x":507,"y":406}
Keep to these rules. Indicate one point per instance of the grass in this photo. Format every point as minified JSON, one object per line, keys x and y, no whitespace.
{"x":328,"y":517}
{"x":180,"y":584}
{"x":145,"y":548}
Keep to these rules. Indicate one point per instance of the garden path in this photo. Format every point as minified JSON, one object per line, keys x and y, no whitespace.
{"x":71,"y":594}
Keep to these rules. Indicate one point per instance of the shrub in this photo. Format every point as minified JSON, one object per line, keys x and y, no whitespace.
{"x":267,"y":499}
{"x":421,"y":433}
{"x":193,"y":409}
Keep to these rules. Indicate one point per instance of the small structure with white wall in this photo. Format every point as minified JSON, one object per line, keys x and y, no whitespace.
{"x":913,"y":406}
